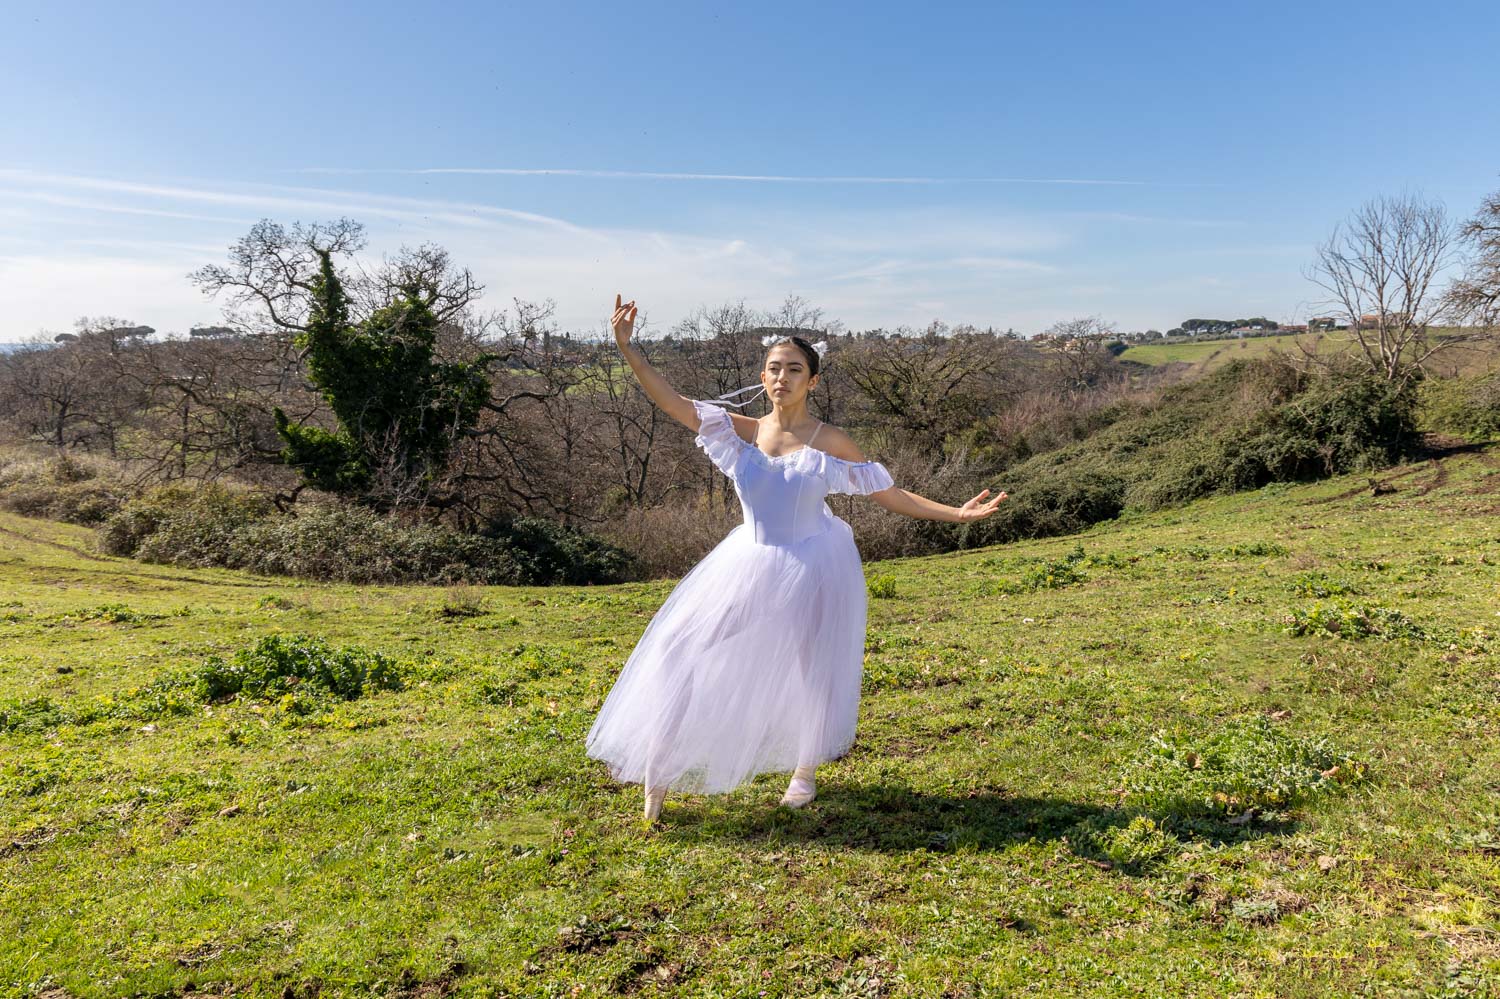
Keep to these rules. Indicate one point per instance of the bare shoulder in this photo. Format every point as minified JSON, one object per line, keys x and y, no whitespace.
{"x":839,"y":444}
{"x":748,"y":427}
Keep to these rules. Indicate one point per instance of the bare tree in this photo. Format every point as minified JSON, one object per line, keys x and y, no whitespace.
{"x":72,"y":392}
{"x":1474,"y":298}
{"x":1380,"y":268}
{"x":269,"y":279}
{"x":925,"y":386}
{"x":1080,"y":354}
{"x":527,"y":452}
{"x":207,"y":404}
{"x":795,"y":312}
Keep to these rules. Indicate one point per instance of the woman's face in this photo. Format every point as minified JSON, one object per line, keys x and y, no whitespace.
{"x":785,"y":375}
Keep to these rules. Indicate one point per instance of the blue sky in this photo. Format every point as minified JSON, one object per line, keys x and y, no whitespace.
{"x":1000,"y":164}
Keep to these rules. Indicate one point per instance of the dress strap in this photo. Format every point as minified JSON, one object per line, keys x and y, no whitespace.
{"x":815,"y":433}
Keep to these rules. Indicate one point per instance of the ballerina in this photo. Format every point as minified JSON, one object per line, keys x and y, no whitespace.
{"x":753,"y":663}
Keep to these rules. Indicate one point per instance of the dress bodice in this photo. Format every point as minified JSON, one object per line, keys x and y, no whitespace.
{"x":783,"y":497}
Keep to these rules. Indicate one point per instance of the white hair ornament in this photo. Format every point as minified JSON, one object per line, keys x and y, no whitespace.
{"x":766,"y":341}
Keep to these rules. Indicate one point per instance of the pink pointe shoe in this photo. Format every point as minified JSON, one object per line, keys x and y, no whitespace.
{"x":802,"y":789}
{"x":654,"y":797}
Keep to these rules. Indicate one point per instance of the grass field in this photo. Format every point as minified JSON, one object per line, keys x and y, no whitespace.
{"x":1210,"y":354}
{"x":1006,"y":823}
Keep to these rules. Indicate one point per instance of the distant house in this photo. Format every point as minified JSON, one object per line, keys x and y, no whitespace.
{"x":1370,"y":320}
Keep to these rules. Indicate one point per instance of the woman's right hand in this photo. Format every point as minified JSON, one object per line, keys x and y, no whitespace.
{"x":623,"y":321}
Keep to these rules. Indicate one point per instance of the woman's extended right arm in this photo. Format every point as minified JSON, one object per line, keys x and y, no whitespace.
{"x":676,"y":405}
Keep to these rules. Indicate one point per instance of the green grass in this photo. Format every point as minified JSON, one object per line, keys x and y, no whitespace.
{"x":1156,"y":758}
{"x":1210,"y":354}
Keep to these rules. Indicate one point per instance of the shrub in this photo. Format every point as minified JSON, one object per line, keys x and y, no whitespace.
{"x":1244,"y":426}
{"x":67,"y":488}
{"x":882,"y":587}
{"x":30,"y":714}
{"x":549,"y":552}
{"x":164,"y":696}
{"x":1244,"y":764}
{"x":113,"y":613}
{"x":1338,"y":423}
{"x":195,"y":524}
{"x":1045,"y":574}
{"x":1357,"y":422}
{"x":356,"y":545}
{"x":1057,"y":501}
{"x":277,"y":665}
{"x":214,"y":526}
{"x":1465,"y":407}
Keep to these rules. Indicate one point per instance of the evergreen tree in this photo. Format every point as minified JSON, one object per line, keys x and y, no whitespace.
{"x":399,"y":410}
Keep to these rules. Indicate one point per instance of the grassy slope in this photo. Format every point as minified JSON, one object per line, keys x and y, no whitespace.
{"x":431,"y":840}
{"x":1210,"y":354}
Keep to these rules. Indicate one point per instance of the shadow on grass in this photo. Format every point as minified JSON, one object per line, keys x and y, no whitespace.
{"x":890,"y":818}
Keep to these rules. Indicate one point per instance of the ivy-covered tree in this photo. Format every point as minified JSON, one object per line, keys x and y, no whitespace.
{"x":400,"y":411}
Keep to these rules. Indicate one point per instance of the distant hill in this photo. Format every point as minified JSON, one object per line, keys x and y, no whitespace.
{"x":1208,"y":355}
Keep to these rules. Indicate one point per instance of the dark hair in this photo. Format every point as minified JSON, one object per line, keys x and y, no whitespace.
{"x":805,"y":347}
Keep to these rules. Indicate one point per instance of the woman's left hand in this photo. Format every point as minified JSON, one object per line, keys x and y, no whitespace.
{"x":975,"y":509}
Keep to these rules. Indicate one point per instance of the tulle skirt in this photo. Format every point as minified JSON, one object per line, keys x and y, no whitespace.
{"x":752,"y":665}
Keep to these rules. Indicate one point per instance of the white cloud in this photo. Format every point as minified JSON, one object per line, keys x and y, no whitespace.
{"x":129,"y":246}
{"x":738,"y":177}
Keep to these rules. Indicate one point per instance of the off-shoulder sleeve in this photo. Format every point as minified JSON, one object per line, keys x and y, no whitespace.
{"x":857,"y":478}
{"x":717,"y":436}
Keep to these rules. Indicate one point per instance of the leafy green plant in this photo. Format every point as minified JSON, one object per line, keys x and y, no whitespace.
{"x":1138,"y":844}
{"x":1466,"y":407}
{"x":883,"y":586}
{"x":113,"y":613}
{"x":277,"y":665}
{"x":1346,"y":619}
{"x":1247,"y":763}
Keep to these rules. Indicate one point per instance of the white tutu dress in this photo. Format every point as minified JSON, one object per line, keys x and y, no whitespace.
{"x":753,"y":664}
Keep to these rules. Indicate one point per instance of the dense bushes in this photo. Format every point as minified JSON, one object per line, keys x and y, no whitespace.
{"x":215,"y":526}
{"x":1060,"y":500}
{"x":183,"y":524}
{"x":1243,"y":426}
{"x":76,"y":490}
{"x":1334,"y":426}
{"x":1248,"y":424}
{"x":1465,"y":407}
